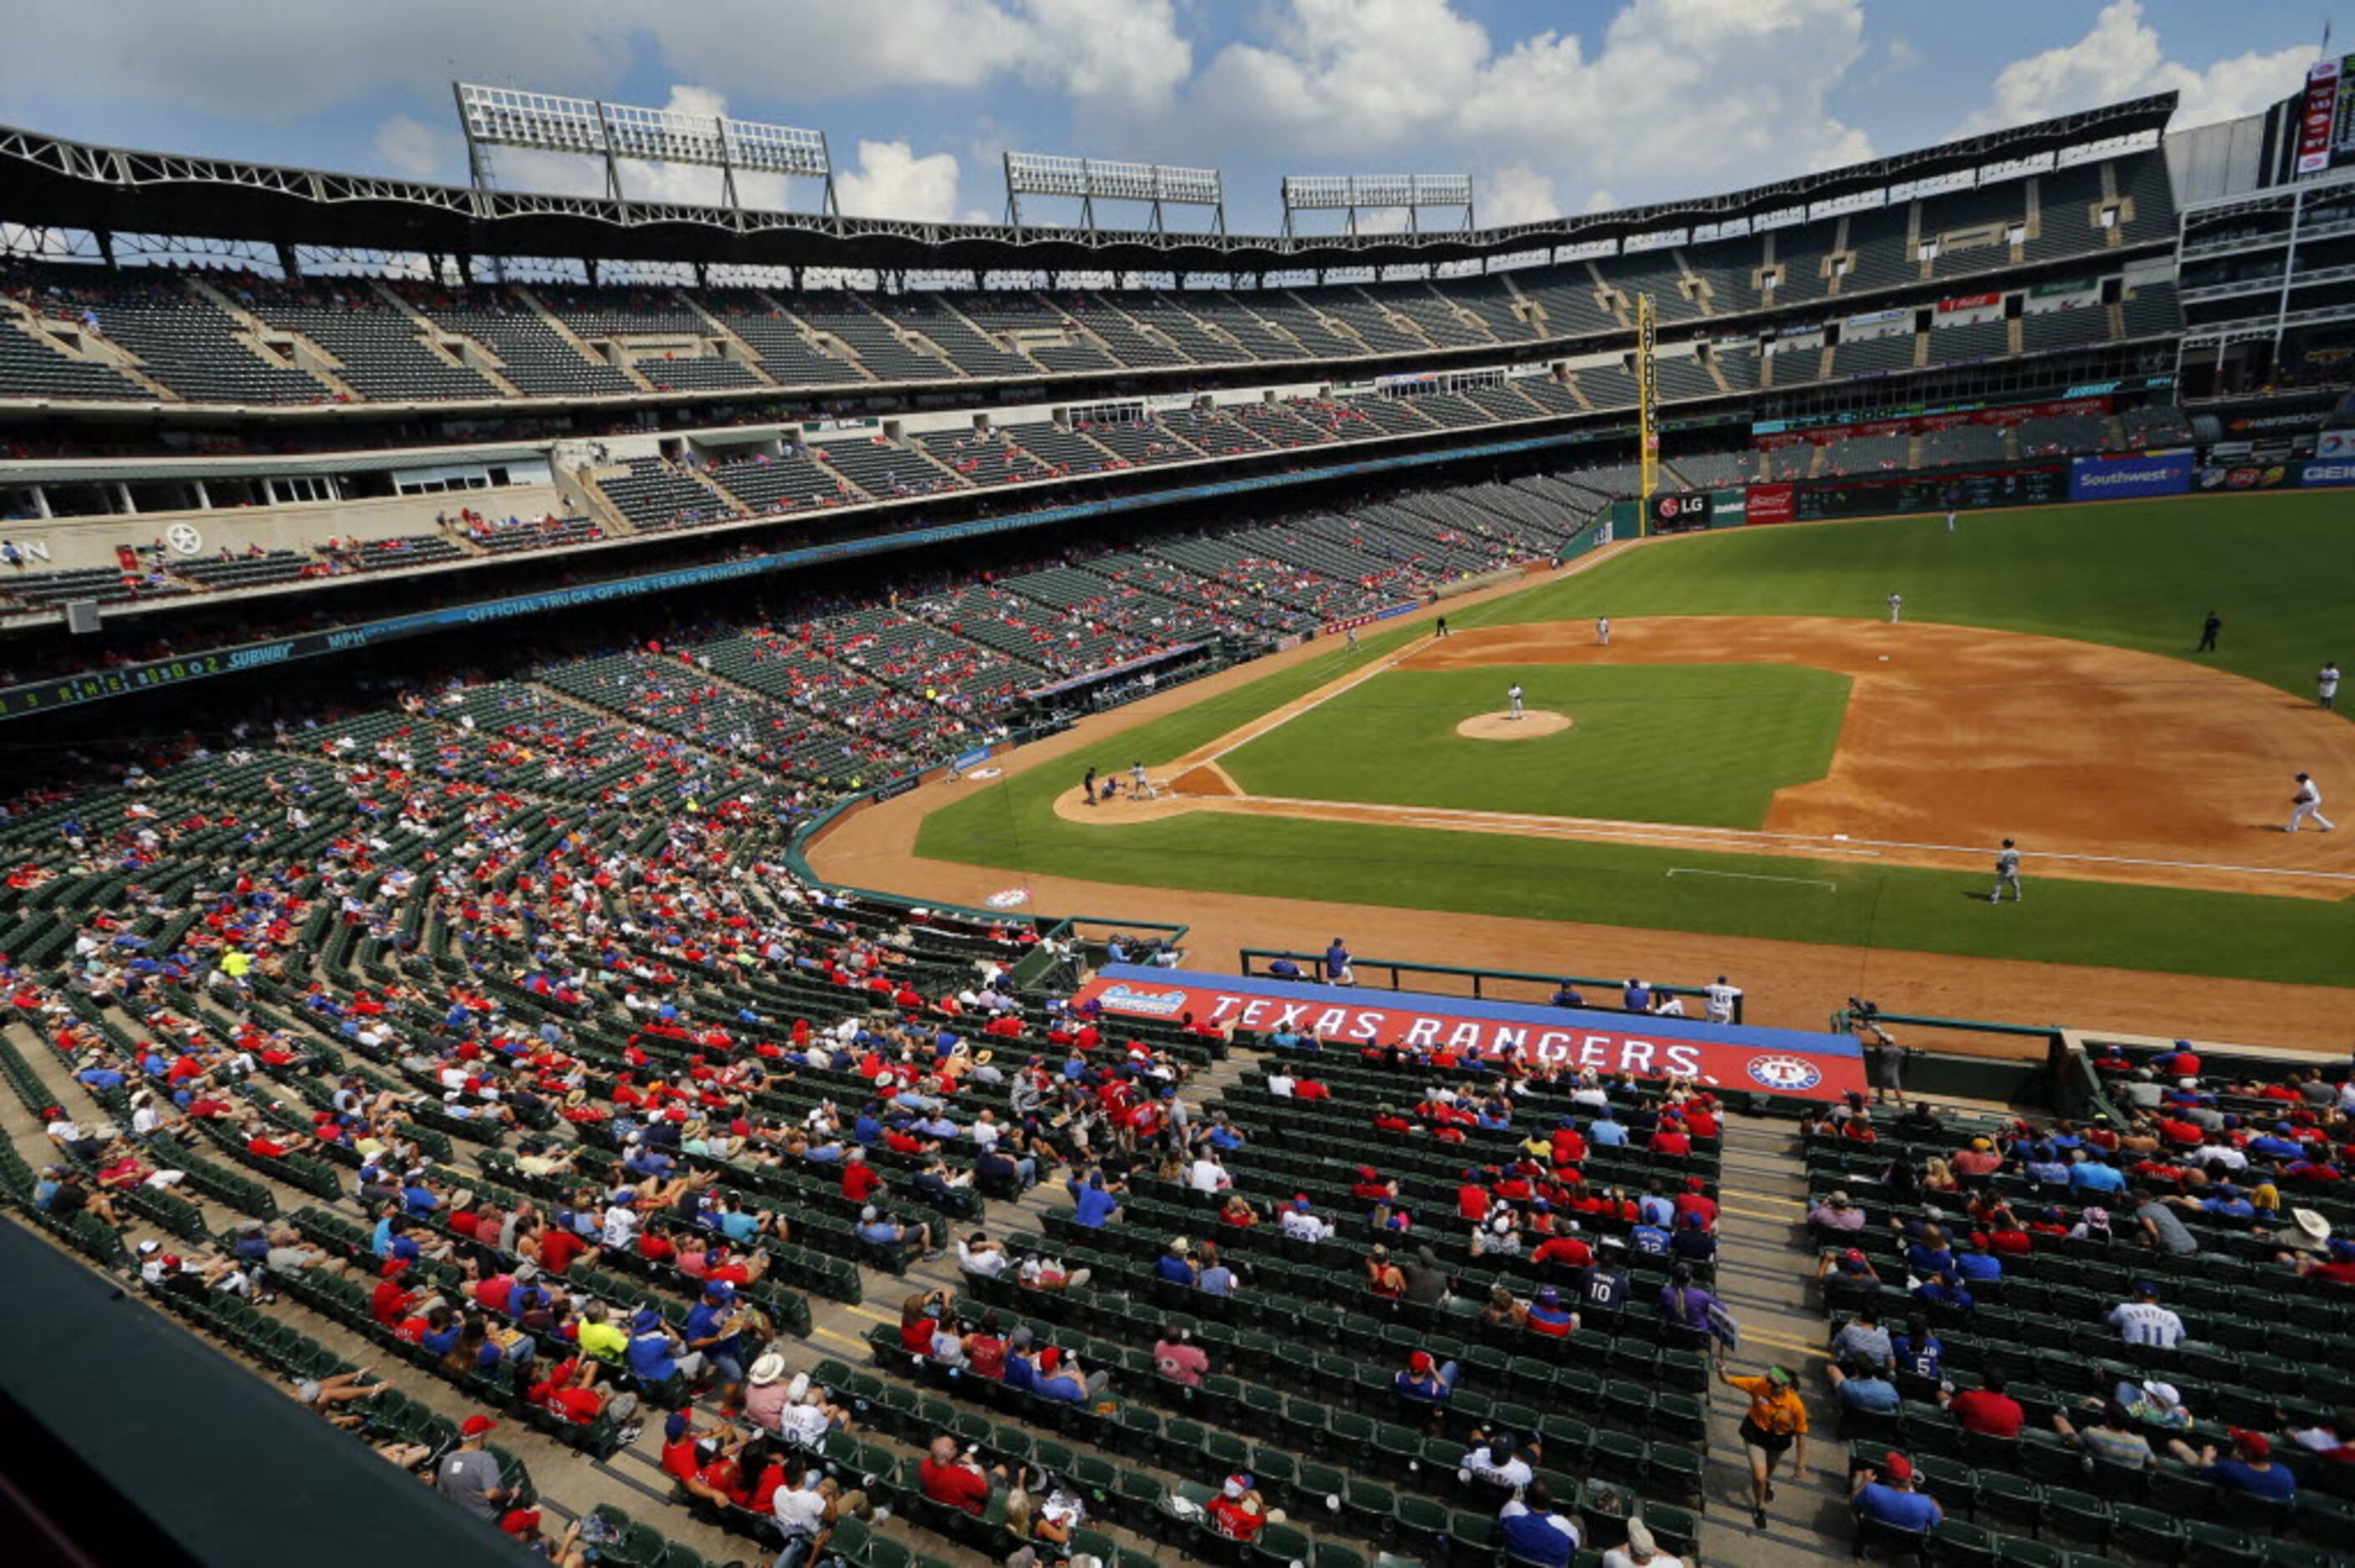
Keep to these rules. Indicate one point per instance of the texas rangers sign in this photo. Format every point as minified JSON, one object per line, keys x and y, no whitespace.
{"x":1778,"y":1061}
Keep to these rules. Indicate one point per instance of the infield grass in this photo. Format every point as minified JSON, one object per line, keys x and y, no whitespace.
{"x":1707,"y":744}
{"x":2281,"y":570}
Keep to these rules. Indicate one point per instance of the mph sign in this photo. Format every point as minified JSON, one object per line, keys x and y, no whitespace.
{"x":1724,"y":1057}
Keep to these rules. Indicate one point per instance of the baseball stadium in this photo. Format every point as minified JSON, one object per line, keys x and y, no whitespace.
{"x":746,"y":883}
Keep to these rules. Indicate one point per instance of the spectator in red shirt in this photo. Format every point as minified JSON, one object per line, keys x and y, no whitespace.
{"x":859,"y":1179}
{"x":1472,"y":1199}
{"x":956,"y":1479}
{"x":1987,"y":1410}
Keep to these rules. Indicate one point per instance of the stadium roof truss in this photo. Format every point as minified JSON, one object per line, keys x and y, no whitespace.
{"x":49,"y":182}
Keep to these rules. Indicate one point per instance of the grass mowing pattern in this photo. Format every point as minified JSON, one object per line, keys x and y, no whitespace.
{"x":1707,"y":744}
{"x":2138,"y":576}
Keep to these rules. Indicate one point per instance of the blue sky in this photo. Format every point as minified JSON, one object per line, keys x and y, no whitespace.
{"x":1565,"y":107}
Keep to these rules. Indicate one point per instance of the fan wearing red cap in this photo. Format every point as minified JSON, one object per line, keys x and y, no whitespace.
{"x":469,"y":1475}
{"x":2249,"y":1468}
{"x":1885,"y":1494}
{"x":1237,"y":1511}
{"x":1425,"y":1382}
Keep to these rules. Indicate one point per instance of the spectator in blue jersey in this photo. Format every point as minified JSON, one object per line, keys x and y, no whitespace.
{"x":1978,"y":1266}
{"x":1684,"y":1305}
{"x":1930,"y":1254}
{"x":657,"y":1352}
{"x":1173,"y":1266}
{"x":1533,"y":1531}
{"x":1945,"y":1290}
{"x":1094,"y":1201}
{"x":1917,"y":1350}
{"x":1425,"y":1382}
{"x":1021,"y":1367}
{"x":1605,"y":1289}
{"x":1692,"y":1242}
{"x":1649,"y":1240}
{"x":2091,"y":1173}
{"x":1885,"y":1494}
{"x":2249,"y":1468}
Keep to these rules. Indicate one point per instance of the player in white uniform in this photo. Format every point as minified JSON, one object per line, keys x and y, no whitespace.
{"x":1140,"y":789}
{"x":1602,"y":629}
{"x":2006,"y":873}
{"x":1896,"y":608}
{"x":2326,"y":685}
{"x":1353,"y":640}
{"x":1514,"y":697}
{"x":1721,"y":1000}
{"x":1950,"y":522}
{"x":2307,"y":803}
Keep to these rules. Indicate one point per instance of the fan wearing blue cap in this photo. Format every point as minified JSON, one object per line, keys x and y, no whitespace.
{"x":1238,"y":1511}
{"x":657,"y":1353}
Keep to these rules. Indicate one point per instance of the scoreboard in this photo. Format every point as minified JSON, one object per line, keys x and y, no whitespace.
{"x":1869,"y":495}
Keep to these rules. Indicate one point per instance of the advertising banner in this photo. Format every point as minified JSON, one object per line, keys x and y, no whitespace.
{"x":2133,"y":474}
{"x":2331,"y":474}
{"x":965,"y":762}
{"x":1970,"y":303}
{"x":1770,"y":503}
{"x":1879,"y":496}
{"x":1724,"y":1056}
{"x":2314,"y":126}
{"x":2065,"y":286}
{"x":2243,"y":476}
{"x":2335,"y":444}
{"x":1680,"y":514}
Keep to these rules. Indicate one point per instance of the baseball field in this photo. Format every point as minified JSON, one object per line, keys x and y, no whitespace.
{"x":1758,"y":754}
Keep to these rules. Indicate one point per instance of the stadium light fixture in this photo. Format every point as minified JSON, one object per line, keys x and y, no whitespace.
{"x":592,"y":128}
{"x":1354,"y":194}
{"x":1090,"y":180}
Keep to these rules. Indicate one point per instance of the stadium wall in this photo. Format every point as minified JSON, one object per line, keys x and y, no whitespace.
{"x":74,"y":543}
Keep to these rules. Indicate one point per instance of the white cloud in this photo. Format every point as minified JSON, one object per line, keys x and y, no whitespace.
{"x":890,"y":181}
{"x":1515,"y":193}
{"x":1599,"y":200}
{"x":279,"y":60}
{"x":409,"y":147}
{"x":1675,"y":97}
{"x":2121,"y":57}
{"x":1901,"y":57}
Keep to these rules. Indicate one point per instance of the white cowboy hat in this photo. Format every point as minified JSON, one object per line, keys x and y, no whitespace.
{"x":768,"y":1369}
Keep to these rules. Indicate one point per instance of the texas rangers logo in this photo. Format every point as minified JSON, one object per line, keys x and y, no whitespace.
{"x":1143,"y":1003}
{"x":1785,"y":1075}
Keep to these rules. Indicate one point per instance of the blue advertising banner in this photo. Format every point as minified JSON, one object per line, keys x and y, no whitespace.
{"x":2132,"y":475}
{"x":2326,"y":473}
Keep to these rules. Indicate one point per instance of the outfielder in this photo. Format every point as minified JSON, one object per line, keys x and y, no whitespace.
{"x":1950,"y":522}
{"x":1353,"y":640}
{"x":2326,"y":685}
{"x":1514,"y":697}
{"x":2307,"y":803}
{"x":1896,"y":608}
{"x":1602,"y":629}
{"x":2006,"y":873}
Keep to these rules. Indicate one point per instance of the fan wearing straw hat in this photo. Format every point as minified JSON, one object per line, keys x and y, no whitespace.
{"x":2307,"y":1239}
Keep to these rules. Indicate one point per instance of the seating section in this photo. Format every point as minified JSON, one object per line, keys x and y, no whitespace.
{"x":780,"y":483}
{"x":380,"y":351}
{"x":884,"y":469}
{"x":984,"y":458}
{"x":537,"y":359}
{"x":655,"y":495}
{"x":31,"y":366}
{"x":180,"y":337}
{"x":2247,"y":1335}
{"x":407,"y":550}
{"x":1867,"y":455}
{"x":2064,"y":436}
{"x":1963,"y":444}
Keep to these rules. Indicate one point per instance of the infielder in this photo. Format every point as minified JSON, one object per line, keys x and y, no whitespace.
{"x":2007,"y":873}
{"x":1896,"y":608}
{"x":2326,"y":685}
{"x":1514,"y":697}
{"x":2307,"y":803}
{"x":1602,"y":629}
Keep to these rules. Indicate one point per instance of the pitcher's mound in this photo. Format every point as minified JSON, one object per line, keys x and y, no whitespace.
{"x":1533,"y":722}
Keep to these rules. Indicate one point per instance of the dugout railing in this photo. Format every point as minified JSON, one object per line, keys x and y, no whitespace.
{"x":1452,"y":980}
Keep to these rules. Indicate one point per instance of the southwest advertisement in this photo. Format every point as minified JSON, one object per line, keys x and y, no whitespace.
{"x":2130,"y":474}
{"x":1724,"y":1056}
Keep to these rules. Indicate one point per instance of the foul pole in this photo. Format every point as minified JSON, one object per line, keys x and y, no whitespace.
{"x":1647,"y":401}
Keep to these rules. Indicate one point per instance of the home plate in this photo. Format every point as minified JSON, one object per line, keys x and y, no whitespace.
{"x":1884,"y":658}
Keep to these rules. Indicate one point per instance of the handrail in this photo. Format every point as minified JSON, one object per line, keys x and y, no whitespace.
{"x":1399,"y":967}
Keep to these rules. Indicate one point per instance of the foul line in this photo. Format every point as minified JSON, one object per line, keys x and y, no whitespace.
{"x":1368,"y":674}
{"x":1753,"y":876}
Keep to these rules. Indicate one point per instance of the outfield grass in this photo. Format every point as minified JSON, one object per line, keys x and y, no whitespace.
{"x":1706,"y":744}
{"x":2140,"y":576}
